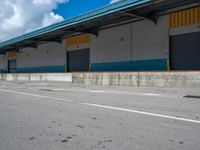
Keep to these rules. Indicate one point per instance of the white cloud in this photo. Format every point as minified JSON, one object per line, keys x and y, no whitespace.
{"x":51,"y":18}
{"x":114,"y":1}
{"x":21,"y":16}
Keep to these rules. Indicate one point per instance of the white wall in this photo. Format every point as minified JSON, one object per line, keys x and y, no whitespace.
{"x":78,"y":47}
{"x":112,"y":44}
{"x":149,"y":41}
{"x":48,"y":54}
{"x":185,"y":29}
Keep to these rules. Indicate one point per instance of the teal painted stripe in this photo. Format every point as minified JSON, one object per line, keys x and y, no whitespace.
{"x":42,"y":69}
{"x":139,"y":65}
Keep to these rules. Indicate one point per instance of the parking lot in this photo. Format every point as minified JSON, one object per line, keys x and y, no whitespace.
{"x":58,"y":116}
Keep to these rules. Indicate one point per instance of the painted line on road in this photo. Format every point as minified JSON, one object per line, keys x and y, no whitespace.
{"x":144,"y":113}
{"x":151,"y":94}
{"x":35,"y":95}
{"x":107,"y":107}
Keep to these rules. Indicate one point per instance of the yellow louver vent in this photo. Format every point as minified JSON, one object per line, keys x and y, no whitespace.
{"x":11,"y":54}
{"x":184,"y":18}
{"x":77,"y":40}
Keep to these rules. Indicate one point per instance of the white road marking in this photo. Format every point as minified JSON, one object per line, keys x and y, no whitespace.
{"x":144,"y":113}
{"x":107,"y":107}
{"x":151,"y":94}
{"x":58,"y":89}
{"x":35,"y":95}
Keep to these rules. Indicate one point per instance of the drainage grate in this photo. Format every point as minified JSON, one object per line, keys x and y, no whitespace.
{"x":192,"y":96}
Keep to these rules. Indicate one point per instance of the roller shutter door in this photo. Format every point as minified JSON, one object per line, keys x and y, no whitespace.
{"x":12,"y":65}
{"x":78,"y":60}
{"x":185,"y":51}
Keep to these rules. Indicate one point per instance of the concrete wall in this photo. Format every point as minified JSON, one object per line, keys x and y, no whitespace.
{"x":134,"y":79}
{"x":37,"y":77}
{"x":49,"y":57}
{"x":139,"y":79}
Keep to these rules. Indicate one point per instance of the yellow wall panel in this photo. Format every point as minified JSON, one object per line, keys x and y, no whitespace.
{"x":184,"y":18}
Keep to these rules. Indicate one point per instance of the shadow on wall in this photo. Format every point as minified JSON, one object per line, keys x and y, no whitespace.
{"x":3,"y":71}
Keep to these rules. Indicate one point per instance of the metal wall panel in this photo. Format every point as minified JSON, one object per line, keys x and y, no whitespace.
{"x":78,"y":60}
{"x":185,"y":51}
{"x":46,"y":55}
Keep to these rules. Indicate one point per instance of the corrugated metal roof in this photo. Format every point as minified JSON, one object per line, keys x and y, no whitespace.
{"x":123,"y":4}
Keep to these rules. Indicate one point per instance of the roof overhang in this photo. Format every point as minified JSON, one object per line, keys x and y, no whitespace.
{"x":96,"y":20}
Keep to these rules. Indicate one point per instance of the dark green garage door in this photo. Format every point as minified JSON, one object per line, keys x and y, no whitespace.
{"x":185,"y":51}
{"x":78,"y":60}
{"x":12,"y":65}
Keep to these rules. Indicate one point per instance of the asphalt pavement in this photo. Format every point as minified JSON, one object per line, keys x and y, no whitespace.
{"x":60,"y":116}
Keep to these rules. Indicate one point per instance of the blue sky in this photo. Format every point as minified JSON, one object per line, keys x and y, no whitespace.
{"x":76,"y":7}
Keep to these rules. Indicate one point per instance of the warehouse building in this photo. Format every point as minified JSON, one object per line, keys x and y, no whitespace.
{"x":130,"y":35}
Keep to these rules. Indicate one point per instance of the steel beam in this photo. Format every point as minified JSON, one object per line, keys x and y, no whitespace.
{"x":152,"y":19}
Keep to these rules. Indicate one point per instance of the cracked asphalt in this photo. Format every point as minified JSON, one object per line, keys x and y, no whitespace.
{"x":60,"y":116}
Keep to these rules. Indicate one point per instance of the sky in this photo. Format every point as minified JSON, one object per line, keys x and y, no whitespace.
{"x":18,"y":17}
